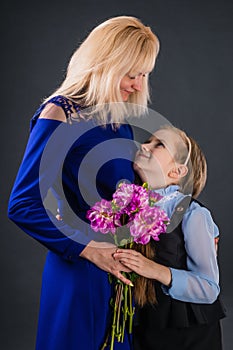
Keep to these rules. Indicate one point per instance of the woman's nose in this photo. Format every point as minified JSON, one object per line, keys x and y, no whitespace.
{"x":137,"y":85}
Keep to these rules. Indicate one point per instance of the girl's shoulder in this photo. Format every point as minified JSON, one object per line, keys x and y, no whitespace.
{"x":196,"y":206}
{"x":199,"y":214}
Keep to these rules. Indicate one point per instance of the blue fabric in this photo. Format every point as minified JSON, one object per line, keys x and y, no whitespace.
{"x":74,"y":307}
{"x":200,"y":283}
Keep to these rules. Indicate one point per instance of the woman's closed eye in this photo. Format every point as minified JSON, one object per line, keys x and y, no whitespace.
{"x":135,"y":76}
{"x":131,"y":77}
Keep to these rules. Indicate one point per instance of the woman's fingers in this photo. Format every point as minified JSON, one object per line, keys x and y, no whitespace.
{"x":103,"y":258}
{"x":122,"y":278}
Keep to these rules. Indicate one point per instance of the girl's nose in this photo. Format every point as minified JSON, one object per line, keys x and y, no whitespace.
{"x":137,"y":85}
{"x":145,"y":147}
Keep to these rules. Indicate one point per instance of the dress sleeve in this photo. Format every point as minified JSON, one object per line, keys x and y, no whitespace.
{"x":26,"y":207}
{"x":200,"y":283}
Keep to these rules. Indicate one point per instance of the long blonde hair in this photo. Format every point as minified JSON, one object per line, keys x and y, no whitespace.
{"x":113,"y":49}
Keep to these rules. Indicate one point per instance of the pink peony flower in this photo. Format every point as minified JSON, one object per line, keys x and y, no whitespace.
{"x":149,"y":223}
{"x":130,"y":198}
{"x":134,"y":205}
{"x":103,"y":218}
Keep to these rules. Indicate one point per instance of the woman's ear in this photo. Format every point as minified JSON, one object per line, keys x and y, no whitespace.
{"x":178,"y":171}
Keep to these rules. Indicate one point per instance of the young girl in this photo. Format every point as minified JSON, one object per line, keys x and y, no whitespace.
{"x":184,"y":270}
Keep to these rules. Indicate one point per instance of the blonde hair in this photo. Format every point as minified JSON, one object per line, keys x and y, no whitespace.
{"x":193,"y":157}
{"x":113,"y":49}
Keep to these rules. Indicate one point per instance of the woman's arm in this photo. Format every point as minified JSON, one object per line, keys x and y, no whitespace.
{"x":26,"y":207}
{"x":27,"y":210}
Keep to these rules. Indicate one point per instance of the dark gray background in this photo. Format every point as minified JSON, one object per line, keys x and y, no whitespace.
{"x":192,"y":87}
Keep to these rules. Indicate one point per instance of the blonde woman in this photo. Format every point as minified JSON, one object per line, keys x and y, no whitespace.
{"x":182,"y":268}
{"x":109,"y":68}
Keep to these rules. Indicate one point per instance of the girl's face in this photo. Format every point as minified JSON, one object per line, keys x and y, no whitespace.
{"x":155,"y":161}
{"x":131,"y":83}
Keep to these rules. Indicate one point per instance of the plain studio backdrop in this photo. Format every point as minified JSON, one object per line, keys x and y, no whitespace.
{"x":191,"y":86}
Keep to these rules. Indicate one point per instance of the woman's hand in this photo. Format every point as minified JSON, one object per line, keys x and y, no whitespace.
{"x":101,"y":254}
{"x":143,"y":266}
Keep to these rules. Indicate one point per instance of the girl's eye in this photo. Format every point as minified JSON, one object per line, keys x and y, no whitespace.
{"x":159,"y":144}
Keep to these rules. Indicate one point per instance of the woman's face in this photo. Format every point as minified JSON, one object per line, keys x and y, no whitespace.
{"x":156,"y":158}
{"x":131,"y":83}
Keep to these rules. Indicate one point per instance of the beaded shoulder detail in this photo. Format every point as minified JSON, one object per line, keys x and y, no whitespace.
{"x":67,"y":105}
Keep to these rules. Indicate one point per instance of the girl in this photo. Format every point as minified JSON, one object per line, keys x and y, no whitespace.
{"x":184,"y":270}
{"x":109,"y":69}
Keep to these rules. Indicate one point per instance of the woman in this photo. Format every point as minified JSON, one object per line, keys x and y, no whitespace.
{"x":109,"y":69}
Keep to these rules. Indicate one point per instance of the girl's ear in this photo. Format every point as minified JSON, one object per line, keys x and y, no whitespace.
{"x":178,"y":171}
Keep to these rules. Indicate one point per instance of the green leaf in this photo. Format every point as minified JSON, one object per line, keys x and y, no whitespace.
{"x":133,"y":276}
{"x":124,"y":242}
{"x":110,"y":278}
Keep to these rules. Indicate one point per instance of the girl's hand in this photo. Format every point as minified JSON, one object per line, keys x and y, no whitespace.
{"x":136,"y":262}
{"x":101,"y":254}
{"x":143,"y":266}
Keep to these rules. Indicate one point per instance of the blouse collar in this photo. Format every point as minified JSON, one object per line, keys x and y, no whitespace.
{"x":167,"y":190}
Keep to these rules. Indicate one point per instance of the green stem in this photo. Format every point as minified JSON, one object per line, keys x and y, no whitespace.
{"x":119,"y":297}
{"x":115,"y":239}
{"x":131,"y":310}
{"x":113,"y":333}
{"x":125,"y":311}
{"x":105,"y":344}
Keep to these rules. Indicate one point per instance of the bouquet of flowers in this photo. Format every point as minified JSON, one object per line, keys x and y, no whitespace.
{"x":133,"y":207}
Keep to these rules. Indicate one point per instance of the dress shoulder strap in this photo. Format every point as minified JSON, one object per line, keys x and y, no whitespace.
{"x":67,"y":105}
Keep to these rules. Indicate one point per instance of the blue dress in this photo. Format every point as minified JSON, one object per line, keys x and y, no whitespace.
{"x":74,"y":305}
